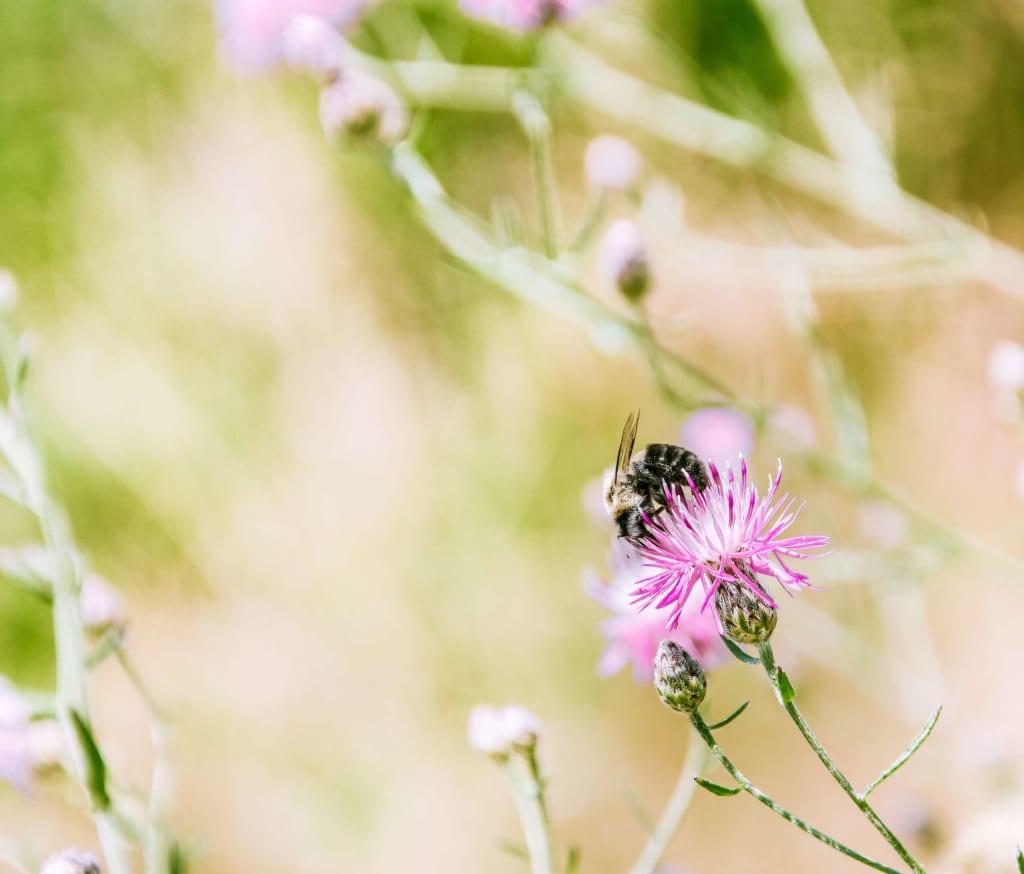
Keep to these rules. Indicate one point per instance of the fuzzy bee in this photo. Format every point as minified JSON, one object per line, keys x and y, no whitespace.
{"x":637,"y":486}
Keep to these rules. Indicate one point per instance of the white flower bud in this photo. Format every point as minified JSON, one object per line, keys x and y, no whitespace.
{"x":360,"y":106}
{"x":611,"y":164}
{"x":8,"y":291}
{"x":71,"y":862}
{"x":499,"y":731}
{"x":624,"y":260}
{"x":312,"y":44}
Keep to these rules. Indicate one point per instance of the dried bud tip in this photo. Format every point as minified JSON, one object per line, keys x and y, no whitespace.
{"x":499,"y":731}
{"x":71,"y":862}
{"x":611,"y":164}
{"x":678,"y":678}
{"x":745,"y":617}
{"x":359,"y":106}
{"x":624,"y":259}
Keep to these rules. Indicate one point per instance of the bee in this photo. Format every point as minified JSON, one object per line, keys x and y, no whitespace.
{"x":637,"y":486}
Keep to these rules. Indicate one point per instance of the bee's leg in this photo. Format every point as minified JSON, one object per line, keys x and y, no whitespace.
{"x":632,"y":526}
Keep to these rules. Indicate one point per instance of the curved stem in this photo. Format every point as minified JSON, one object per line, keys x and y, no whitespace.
{"x":528,"y":791}
{"x":675,"y":810}
{"x":767,"y":801}
{"x":768,"y":661}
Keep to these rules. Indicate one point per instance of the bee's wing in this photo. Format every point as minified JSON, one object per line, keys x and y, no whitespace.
{"x":626,"y":445}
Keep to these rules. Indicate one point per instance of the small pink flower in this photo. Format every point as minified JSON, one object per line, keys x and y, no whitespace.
{"x":100,"y":603}
{"x":524,"y":14}
{"x":725,"y":532}
{"x":611,"y":164}
{"x":15,"y":757}
{"x":1006,"y":366}
{"x":633,"y":636}
{"x":883,"y":525}
{"x":253,"y":30}
{"x":718,"y":434}
{"x":794,"y":425}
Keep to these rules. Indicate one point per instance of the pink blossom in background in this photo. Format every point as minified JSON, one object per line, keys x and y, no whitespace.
{"x":633,"y":635}
{"x":1006,"y":366}
{"x":611,"y":164}
{"x":794,"y":425}
{"x":725,"y":532}
{"x":883,"y":525}
{"x":252,"y":31}
{"x":15,"y":758}
{"x":718,"y":434}
{"x":524,"y":14}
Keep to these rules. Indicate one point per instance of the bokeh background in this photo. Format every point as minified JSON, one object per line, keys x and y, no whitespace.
{"x":339,"y":477}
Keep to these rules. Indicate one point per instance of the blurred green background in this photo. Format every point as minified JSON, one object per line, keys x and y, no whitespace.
{"x":339,"y":477}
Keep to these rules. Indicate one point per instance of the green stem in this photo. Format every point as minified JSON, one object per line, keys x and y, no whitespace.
{"x":767,"y":801}
{"x":675,"y":810}
{"x":768,"y":661}
{"x":528,"y":791}
{"x":537,"y":125}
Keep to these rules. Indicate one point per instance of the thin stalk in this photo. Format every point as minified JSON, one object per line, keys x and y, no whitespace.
{"x":771,"y":804}
{"x":768,"y":662}
{"x":597,"y":207}
{"x":675,"y":810}
{"x":528,"y":791}
{"x":537,"y":126}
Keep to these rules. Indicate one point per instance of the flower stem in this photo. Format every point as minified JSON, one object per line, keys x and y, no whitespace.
{"x":768,"y":661}
{"x":528,"y":791}
{"x":537,"y":125}
{"x":675,"y":810}
{"x":767,"y":801}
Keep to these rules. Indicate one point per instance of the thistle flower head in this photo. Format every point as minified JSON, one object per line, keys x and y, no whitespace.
{"x":357,"y":105}
{"x":679,"y":678}
{"x":724,"y":533}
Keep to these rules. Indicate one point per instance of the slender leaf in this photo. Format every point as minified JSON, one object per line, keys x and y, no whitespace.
{"x":915,"y":745}
{"x":730,"y":717}
{"x":741,"y":654}
{"x":786,"y":691}
{"x":95,"y":767}
{"x":1020,"y":861}
{"x":572,"y":861}
{"x":515,"y":850}
{"x":717,"y":789}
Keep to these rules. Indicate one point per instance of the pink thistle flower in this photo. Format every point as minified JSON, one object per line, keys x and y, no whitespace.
{"x":524,"y":14}
{"x":633,"y":636}
{"x":725,"y":532}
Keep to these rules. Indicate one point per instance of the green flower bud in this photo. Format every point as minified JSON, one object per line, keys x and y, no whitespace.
{"x":679,"y":678}
{"x":744,"y":616}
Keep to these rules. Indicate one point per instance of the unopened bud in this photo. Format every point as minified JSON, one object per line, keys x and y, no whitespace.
{"x":745,"y":617}
{"x":71,"y":862}
{"x":312,"y":44}
{"x":500,"y":731}
{"x":361,"y":107}
{"x":611,"y":164}
{"x":679,"y":678}
{"x":624,"y":259}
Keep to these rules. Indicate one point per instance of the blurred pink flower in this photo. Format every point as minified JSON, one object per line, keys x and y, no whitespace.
{"x":883,"y":525}
{"x":524,"y":14}
{"x":611,"y":164}
{"x":1006,"y":366}
{"x":794,"y":425}
{"x":15,"y":758}
{"x":633,"y":636}
{"x":253,"y":30}
{"x":718,"y":434}
{"x":100,"y":603}
{"x":725,"y":532}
